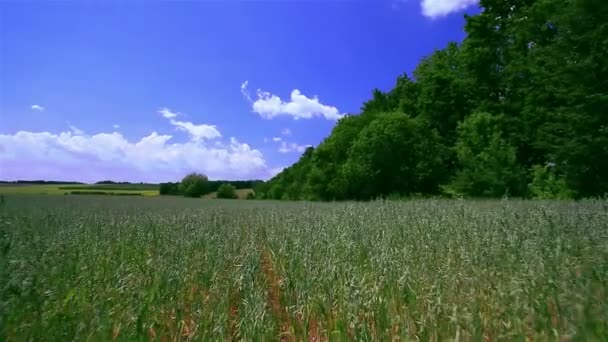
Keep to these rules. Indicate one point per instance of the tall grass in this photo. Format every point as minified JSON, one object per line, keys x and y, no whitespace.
{"x":77,"y":268}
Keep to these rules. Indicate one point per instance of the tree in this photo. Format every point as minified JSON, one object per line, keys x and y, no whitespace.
{"x":487,"y":163}
{"x":227,"y":191}
{"x":193,"y":185}
{"x":394,"y":154}
{"x":443,"y":97}
{"x":169,"y":189}
{"x":529,"y":84}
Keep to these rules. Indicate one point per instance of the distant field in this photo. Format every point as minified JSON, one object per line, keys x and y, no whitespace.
{"x":37,"y":189}
{"x":169,"y":268}
{"x":242,"y":193}
{"x":129,"y":187}
{"x":80,"y":189}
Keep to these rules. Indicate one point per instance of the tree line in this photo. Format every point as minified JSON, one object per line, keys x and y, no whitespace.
{"x":197,"y":185}
{"x":519,"y":108}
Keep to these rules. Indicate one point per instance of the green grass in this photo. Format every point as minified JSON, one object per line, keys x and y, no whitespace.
{"x":101,"y":268}
{"x":38,"y":189}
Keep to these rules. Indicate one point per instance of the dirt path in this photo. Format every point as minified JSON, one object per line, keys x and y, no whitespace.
{"x":274,"y":296}
{"x":278,"y":310}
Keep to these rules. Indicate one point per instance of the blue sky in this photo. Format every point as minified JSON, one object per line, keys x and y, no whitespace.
{"x":148,"y":91}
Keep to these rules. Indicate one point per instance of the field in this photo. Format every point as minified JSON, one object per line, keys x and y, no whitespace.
{"x":109,"y":268}
{"x":241,"y":193}
{"x":62,"y":189}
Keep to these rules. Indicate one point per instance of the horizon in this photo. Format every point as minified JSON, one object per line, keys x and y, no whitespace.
{"x":237,"y":91}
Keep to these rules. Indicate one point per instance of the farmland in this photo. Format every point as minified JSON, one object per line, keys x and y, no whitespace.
{"x":66,"y":189}
{"x":170,"y":268}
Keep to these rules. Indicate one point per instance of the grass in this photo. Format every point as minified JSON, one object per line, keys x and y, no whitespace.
{"x":45,"y":189}
{"x":170,"y":268}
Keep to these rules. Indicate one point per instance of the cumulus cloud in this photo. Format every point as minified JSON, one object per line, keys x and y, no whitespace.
{"x":276,"y":139}
{"x":75,"y":155}
{"x":289,"y":147}
{"x":153,"y":158}
{"x":37,"y":107}
{"x":116,"y":126}
{"x":299,"y":106}
{"x":440,"y":8}
{"x":286,"y":131}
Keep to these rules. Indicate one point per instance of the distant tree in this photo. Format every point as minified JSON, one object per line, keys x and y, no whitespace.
{"x":193,"y":185}
{"x":260,"y":190}
{"x":227,"y":190}
{"x":250,"y":196}
{"x":169,"y":189}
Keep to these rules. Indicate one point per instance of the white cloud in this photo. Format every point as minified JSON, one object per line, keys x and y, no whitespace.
{"x":116,"y":126}
{"x":286,"y":131}
{"x":197,"y":132}
{"x":37,"y":107}
{"x":153,"y":158}
{"x":276,"y":139}
{"x":75,"y":155}
{"x":245,"y":92}
{"x":269,"y":106}
{"x":167,"y":113}
{"x":287,"y":147}
{"x":441,"y":8}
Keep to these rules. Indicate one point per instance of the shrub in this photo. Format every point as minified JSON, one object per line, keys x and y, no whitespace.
{"x":547,"y":185}
{"x":169,"y":189}
{"x":226,"y":191}
{"x":193,"y":185}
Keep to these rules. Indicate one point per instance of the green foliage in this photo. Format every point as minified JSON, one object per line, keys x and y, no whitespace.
{"x":169,"y":189}
{"x":394,"y":153}
{"x":193,"y":185}
{"x":227,"y":191}
{"x":250,"y":196}
{"x":538,"y":65}
{"x":547,"y":185}
{"x":487,"y":163}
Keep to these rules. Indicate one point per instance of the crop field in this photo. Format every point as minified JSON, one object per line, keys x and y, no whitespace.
{"x":75,"y":189}
{"x":166,"y":269}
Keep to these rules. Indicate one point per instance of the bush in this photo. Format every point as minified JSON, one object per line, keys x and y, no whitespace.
{"x":546,"y":185}
{"x":169,"y":189}
{"x":226,"y":191}
{"x":250,"y":196}
{"x":193,"y":185}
